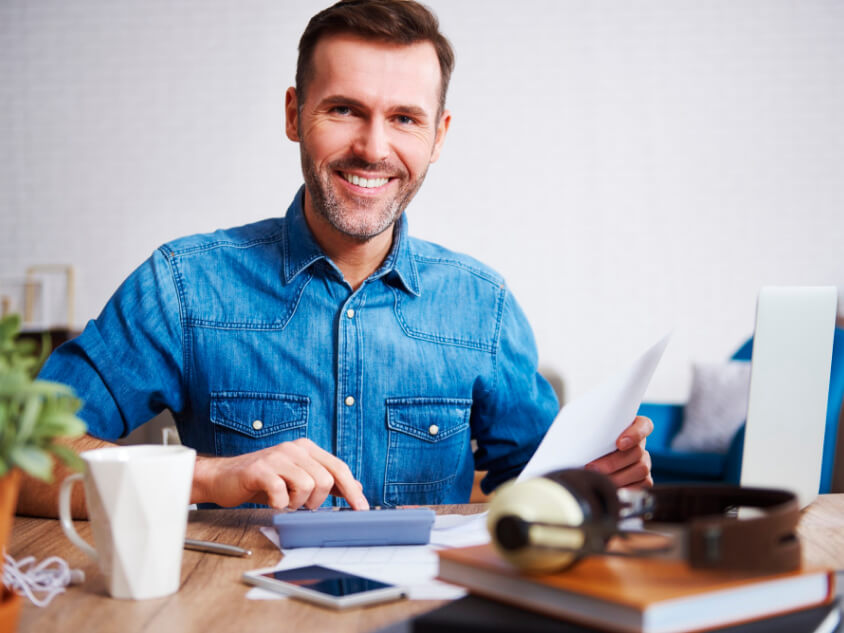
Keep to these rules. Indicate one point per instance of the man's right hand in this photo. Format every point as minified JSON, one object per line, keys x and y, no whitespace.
{"x":288,"y":475}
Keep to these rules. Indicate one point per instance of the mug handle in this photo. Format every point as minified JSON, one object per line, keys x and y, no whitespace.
{"x":65,"y":516}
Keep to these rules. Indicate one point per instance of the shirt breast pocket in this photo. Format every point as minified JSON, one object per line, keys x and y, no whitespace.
{"x":428,"y":441}
{"x":245,"y":421}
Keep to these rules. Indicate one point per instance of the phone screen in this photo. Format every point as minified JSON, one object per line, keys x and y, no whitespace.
{"x":330,"y":582}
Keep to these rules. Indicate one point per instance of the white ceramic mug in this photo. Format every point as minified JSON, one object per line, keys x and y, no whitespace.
{"x":137,"y":498}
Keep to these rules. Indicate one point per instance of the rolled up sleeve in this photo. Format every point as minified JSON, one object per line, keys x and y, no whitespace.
{"x":515,"y":405}
{"x":128,"y":364}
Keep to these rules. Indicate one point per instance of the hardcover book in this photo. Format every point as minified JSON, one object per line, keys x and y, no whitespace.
{"x":474,"y":614}
{"x":638,"y":595}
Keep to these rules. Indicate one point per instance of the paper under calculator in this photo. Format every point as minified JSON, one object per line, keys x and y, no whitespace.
{"x":343,"y":527}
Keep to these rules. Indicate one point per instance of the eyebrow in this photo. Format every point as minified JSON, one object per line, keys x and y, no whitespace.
{"x":410,"y":110}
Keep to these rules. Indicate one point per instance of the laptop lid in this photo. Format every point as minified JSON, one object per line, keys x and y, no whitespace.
{"x":789,"y":387}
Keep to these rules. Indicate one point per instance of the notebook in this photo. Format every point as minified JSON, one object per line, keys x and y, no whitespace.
{"x":789,"y":387}
{"x":474,"y":614}
{"x":638,"y":594}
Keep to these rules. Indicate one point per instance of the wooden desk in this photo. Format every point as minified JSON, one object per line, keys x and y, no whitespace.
{"x":212,"y":599}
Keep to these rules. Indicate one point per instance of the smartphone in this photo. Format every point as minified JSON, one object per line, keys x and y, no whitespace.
{"x":324,"y":586}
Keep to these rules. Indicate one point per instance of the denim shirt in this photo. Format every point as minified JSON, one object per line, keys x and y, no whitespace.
{"x":251,"y":337}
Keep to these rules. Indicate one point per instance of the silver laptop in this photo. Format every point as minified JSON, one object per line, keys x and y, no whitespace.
{"x":789,"y":387}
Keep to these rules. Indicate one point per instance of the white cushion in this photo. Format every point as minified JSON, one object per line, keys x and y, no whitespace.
{"x":717,"y":407}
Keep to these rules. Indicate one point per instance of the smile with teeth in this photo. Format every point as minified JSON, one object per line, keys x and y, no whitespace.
{"x":366,"y":183}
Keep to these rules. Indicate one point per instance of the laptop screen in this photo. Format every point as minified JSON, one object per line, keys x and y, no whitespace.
{"x":789,"y":387}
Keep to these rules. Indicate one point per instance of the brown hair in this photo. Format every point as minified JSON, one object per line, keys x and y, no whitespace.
{"x":392,"y":21}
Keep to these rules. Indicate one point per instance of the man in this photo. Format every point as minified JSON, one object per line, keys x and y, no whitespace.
{"x":328,"y":352}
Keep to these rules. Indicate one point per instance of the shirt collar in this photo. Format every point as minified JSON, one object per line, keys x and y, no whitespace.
{"x":302,"y":249}
{"x":400,"y":264}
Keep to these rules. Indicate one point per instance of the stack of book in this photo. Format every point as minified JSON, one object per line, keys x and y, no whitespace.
{"x":629,"y":595}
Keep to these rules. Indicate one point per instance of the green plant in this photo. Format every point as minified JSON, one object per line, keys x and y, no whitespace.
{"x":33,"y":412}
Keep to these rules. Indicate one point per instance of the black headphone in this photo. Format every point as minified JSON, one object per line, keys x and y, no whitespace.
{"x":547,"y":523}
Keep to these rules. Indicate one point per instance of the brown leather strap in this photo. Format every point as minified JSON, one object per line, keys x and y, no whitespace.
{"x":766,"y":543}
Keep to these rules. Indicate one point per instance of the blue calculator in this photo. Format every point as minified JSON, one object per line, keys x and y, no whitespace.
{"x":343,"y":527}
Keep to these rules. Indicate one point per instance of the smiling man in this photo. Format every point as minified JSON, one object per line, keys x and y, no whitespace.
{"x":328,"y":352}
{"x":369,"y":123}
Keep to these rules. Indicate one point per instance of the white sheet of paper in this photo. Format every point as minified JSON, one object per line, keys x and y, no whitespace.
{"x":583,"y":430}
{"x":459,"y":530}
{"x":414,"y":567}
{"x":588,"y":427}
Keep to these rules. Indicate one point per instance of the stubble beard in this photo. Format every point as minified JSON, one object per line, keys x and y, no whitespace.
{"x":378,"y":216}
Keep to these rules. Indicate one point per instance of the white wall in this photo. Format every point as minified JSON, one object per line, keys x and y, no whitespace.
{"x":629,"y":167}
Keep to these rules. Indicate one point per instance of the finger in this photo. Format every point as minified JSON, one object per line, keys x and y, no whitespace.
{"x":283,"y":464}
{"x":322,"y":483}
{"x":300,"y":485}
{"x":266,"y":486}
{"x":276,"y":494}
{"x":351,"y":490}
{"x":617,"y":460}
{"x":307,"y":483}
{"x":345,"y":485}
{"x":636,"y":475}
{"x":638,"y":430}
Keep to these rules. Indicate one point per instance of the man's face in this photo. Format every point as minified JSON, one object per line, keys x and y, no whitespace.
{"x":368,"y":130}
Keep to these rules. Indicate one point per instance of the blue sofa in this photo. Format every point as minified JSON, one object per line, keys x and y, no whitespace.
{"x":670,"y":466}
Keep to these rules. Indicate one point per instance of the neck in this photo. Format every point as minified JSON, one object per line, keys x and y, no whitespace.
{"x":357,"y":260}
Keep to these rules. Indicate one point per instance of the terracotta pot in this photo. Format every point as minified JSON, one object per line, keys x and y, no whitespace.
{"x":10,"y":610}
{"x":10,"y":603}
{"x":9,"y":486}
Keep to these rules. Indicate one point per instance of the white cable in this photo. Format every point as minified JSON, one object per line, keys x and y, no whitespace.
{"x":49,"y":577}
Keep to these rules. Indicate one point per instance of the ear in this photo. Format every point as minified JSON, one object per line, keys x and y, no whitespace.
{"x":442,"y":129}
{"x":291,"y":114}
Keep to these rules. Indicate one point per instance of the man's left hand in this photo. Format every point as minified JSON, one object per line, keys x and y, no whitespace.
{"x":629,"y":466}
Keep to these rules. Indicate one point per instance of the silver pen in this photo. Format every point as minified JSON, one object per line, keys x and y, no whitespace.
{"x":216,"y":548}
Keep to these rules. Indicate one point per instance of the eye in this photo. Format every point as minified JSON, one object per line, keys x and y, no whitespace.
{"x":341,"y":110}
{"x":404,"y":119}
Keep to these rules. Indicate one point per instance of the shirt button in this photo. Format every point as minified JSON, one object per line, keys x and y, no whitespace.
{"x":350,"y":400}
{"x":350,"y":313}
{"x":257,"y":425}
{"x":433,"y":429}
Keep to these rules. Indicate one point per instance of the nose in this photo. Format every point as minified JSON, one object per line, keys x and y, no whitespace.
{"x":372,"y":143}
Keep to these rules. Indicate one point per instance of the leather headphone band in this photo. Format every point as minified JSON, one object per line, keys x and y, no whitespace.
{"x":765,"y":543}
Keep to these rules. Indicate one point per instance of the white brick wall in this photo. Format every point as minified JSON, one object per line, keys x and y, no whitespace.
{"x":629,"y":167}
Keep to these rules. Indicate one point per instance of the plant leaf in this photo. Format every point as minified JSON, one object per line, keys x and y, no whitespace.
{"x":11,"y":382}
{"x":9,"y":326}
{"x":29,"y":418}
{"x":45,"y":388}
{"x":33,"y":461}
{"x":68,"y":456}
{"x":59,"y":424}
{"x":33,"y":412}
